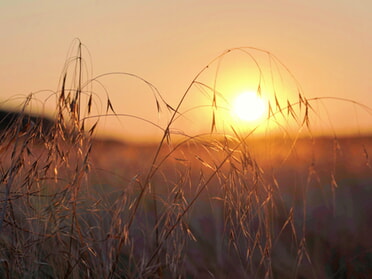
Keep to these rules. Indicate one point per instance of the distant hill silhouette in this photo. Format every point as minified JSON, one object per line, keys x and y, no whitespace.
{"x":11,"y":120}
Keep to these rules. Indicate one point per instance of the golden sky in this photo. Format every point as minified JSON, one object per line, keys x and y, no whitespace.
{"x":325,"y":44}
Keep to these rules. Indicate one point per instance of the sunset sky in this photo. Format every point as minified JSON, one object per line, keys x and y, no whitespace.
{"x":326,"y":45}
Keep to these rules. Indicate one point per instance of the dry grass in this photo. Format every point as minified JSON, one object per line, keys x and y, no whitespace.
{"x":218,"y":205}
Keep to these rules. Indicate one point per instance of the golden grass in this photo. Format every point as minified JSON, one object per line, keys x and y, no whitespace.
{"x":190,"y":206}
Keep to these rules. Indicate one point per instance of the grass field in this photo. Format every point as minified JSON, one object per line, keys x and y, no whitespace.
{"x":319,"y":194}
{"x":201,"y":206}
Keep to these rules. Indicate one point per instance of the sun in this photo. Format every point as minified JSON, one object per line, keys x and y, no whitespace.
{"x":249,"y":107}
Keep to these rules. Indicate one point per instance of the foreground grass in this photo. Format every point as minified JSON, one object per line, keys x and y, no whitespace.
{"x":216,"y":205}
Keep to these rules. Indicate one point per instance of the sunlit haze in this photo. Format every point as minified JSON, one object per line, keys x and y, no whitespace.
{"x":324,"y":48}
{"x":249,"y":107}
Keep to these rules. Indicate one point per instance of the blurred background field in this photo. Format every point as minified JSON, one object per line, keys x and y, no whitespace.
{"x":323,"y":183}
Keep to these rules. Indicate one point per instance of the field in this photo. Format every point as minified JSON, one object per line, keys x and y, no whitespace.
{"x":319,"y":197}
{"x":74,"y":205}
{"x":284,"y":212}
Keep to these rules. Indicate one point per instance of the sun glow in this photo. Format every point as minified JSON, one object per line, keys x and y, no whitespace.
{"x":249,"y":107}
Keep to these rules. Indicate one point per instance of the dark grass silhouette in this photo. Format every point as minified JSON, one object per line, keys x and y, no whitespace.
{"x":8,"y":119}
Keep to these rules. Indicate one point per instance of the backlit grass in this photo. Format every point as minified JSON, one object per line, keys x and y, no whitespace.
{"x":273,"y":201}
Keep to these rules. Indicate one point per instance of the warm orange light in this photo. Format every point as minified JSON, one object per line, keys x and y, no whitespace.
{"x":249,"y":107}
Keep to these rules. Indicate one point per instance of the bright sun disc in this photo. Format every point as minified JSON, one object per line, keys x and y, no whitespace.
{"x":248,"y":106}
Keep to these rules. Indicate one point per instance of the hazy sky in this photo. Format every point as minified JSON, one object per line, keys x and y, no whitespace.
{"x":325,"y":44}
